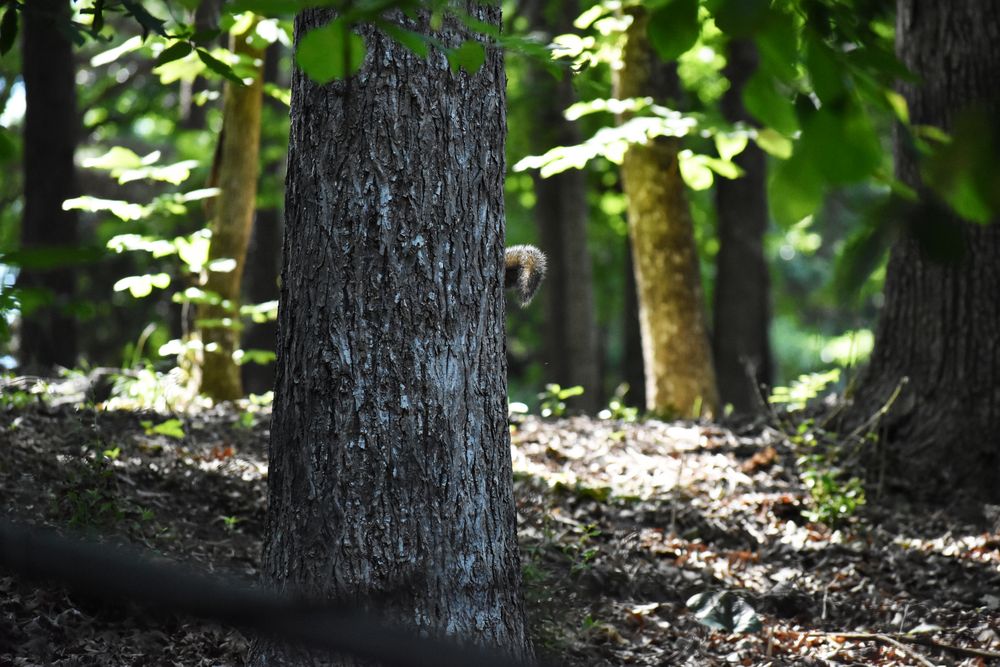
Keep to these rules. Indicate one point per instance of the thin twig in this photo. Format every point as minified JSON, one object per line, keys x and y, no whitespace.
{"x":893,"y":638}
{"x":877,"y":636}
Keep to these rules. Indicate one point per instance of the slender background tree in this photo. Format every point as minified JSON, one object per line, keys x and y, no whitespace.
{"x":680,"y":379}
{"x":51,"y":130}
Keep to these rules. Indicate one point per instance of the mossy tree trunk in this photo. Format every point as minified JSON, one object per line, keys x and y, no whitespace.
{"x":232,"y":220}
{"x":940,"y":327}
{"x":390,"y":482}
{"x":680,"y":379}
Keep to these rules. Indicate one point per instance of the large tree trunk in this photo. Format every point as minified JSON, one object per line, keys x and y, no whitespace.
{"x":231,"y":225}
{"x":561,"y":214}
{"x":740,"y":343}
{"x":390,"y":474}
{"x":51,"y":127}
{"x":680,"y":379}
{"x":941,"y":322}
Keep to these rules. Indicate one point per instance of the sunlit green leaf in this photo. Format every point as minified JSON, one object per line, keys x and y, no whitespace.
{"x":141,"y":286}
{"x":730,"y":145}
{"x":774,"y":142}
{"x":695,"y":172}
{"x":122,"y":209}
{"x":111,"y":55}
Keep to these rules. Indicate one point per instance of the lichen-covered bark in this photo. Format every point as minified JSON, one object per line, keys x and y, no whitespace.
{"x":231,"y":224}
{"x":571,"y":350}
{"x":51,"y":125}
{"x":940,"y":327}
{"x":742,"y":299}
{"x":390,"y":473}
{"x":679,"y":375}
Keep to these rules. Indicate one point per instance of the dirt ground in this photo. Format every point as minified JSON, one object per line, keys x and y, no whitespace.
{"x":620,"y":524}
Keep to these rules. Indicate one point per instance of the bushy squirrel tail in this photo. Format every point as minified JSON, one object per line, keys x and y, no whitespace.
{"x":525,"y":269}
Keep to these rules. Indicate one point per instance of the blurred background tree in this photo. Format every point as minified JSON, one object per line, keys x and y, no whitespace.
{"x":782,"y":118}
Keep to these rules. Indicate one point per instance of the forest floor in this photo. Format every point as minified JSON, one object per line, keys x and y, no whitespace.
{"x":620,"y":524}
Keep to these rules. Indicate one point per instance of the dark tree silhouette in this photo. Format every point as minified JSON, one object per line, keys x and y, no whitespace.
{"x":742,"y":309}
{"x":51,"y":130}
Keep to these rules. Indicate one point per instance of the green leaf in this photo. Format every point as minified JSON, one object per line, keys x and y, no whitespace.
{"x":842,"y":144}
{"x":761,"y":98}
{"x":141,"y":286}
{"x":173,"y":428}
{"x":778,"y":46}
{"x":673,"y":28}
{"x":724,"y":610}
{"x":8,"y":30}
{"x":825,"y":73}
{"x":147,"y":21}
{"x":795,"y":190}
{"x":470,"y":57}
{"x":8,"y":149}
{"x":774,"y":142}
{"x":175,"y":51}
{"x":740,"y":18}
{"x":962,"y":170}
{"x":219,"y":67}
{"x":414,"y":41}
{"x":254,"y":357}
{"x":274,"y":8}
{"x":866,"y":250}
{"x":331,"y":52}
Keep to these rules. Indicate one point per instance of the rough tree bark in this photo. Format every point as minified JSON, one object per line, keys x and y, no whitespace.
{"x":571,"y":356}
{"x":742,"y":310}
{"x":940,"y":324}
{"x":51,"y":129}
{"x":680,"y":379}
{"x":390,"y":472}
{"x":231,"y":223}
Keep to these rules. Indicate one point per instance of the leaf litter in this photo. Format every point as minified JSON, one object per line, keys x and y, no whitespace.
{"x":646,"y":543}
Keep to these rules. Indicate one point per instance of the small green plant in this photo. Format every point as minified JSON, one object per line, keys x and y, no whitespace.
{"x":582,"y":552}
{"x":804,"y":389}
{"x":90,"y":497}
{"x":834,"y":494}
{"x":833,"y":497}
{"x":616,"y":406}
{"x":553,"y":399}
{"x":173,"y":428}
{"x":230,"y":522}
